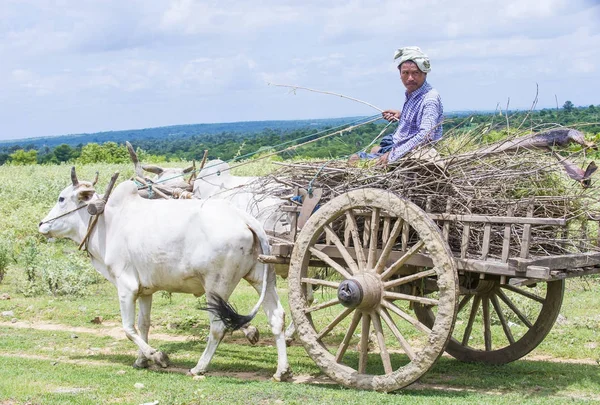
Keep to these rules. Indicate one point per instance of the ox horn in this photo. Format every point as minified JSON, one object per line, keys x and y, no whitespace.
{"x":95,"y":179}
{"x":134,"y":158}
{"x":153,"y":169}
{"x":74,"y":177}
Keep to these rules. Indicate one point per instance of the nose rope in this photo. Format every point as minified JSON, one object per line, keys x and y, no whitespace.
{"x":64,"y":214}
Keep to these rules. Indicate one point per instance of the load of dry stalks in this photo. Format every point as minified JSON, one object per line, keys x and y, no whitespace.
{"x":527,"y":174}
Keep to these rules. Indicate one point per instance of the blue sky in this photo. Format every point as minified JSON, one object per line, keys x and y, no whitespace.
{"x":74,"y":66}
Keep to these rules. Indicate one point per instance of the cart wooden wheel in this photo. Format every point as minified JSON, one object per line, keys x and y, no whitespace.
{"x":354,"y":314}
{"x":500,"y":323}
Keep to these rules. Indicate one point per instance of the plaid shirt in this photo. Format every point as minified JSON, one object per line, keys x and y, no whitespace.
{"x":420,"y":121}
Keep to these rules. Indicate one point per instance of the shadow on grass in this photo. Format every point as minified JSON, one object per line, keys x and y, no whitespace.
{"x":243,"y":363}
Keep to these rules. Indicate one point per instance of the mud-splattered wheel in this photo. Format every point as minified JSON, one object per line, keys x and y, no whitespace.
{"x":499,"y":323}
{"x":359,"y":266}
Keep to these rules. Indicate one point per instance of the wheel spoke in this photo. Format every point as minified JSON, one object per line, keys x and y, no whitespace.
{"x":408,"y":279}
{"x":402,"y":260}
{"x":317,"y":281}
{"x":524,"y":293}
{"x":403,"y":342}
{"x":487,"y":332}
{"x":343,"y":251}
{"x":503,"y":322}
{"x":383,"y":351}
{"x":344,"y":345}
{"x":322,"y":306}
{"x":469,"y":328}
{"x":330,"y":262}
{"x":389,"y":244}
{"x":333,"y":323}
{"x":422,"y":327}
{"x":464,"y":302}
{"x":360,"y":254}
{"x":514,"y":308}
{"x":364,"y":344}
{"x":373,"y":240}
{"x":413,"y":298}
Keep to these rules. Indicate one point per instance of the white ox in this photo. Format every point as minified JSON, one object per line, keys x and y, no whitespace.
{"x":247,"y":193}
{"x":144,"y":246}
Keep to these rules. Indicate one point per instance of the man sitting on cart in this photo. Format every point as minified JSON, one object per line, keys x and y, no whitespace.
{"x":420,"y":121}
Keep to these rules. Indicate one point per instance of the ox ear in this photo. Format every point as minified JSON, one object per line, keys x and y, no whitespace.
{"x":189,"y":169}
{"x":153,"y":169}
{"x":85,"y":192}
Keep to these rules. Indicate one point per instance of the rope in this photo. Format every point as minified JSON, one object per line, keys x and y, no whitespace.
{"x":65,"y":214}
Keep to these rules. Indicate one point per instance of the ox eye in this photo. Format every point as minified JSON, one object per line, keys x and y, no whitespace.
{"x":61,"y":199}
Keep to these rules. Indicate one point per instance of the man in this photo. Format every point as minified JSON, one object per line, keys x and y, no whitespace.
{"x":420,"y":121}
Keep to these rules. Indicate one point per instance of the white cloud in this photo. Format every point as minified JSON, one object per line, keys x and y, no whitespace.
{"x":143,"y":62}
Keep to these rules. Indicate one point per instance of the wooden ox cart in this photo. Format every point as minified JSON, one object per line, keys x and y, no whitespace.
{"x":395,"y":268}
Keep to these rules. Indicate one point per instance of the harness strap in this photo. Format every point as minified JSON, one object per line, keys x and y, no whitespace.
{"x":65,"y":213}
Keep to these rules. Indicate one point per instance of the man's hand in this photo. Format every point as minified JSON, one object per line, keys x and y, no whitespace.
{"x":391,"y":115}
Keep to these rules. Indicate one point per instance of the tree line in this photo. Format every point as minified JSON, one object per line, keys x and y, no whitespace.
{"x":228,"y":145}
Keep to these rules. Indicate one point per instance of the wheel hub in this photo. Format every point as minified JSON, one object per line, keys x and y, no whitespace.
{"x":362,"y":291}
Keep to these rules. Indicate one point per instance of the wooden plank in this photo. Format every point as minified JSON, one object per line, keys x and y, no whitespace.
{"x":558,"y":262}
{"x":446,"y":226}
{"x":507,"y":232}
{"x":485,"y":248}
{"x":366,"y":232}
{"x":498,"y":219}
{"x":347,"y":233}
{"x":501,"y":269}
{"x":525,"y":242}
{"x":464,"y":245}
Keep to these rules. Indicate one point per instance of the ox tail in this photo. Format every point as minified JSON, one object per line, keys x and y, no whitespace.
{"x":223,"y":310}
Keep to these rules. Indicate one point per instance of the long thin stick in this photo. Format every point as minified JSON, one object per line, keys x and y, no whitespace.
{"x":325,"y":92}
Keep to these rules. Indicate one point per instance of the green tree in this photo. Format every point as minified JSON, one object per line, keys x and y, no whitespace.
{"x":568,"y":106}
{"x":63,"y":153}
{"x":92,"y":153}
{"x":20,"y":157}
{"x":109,"y":152}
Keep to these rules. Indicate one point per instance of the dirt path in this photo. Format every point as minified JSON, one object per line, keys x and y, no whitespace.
{"x":115,"y":331}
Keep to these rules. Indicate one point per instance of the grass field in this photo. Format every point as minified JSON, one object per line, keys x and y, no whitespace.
{"x":51,"y":352}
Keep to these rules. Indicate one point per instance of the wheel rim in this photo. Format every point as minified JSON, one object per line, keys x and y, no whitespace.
{"x":370,"y":291}
{"x":498,"y":323}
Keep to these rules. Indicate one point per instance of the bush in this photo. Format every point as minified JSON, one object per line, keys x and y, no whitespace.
{"x":53,"y":269}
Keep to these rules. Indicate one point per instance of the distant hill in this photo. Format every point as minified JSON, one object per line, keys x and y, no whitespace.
{"x":175,"y":132}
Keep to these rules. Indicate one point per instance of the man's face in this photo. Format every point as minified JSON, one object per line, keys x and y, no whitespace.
{"x":411,"y":76}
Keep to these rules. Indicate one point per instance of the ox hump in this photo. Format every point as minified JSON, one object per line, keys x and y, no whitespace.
{"x":125,"y":190}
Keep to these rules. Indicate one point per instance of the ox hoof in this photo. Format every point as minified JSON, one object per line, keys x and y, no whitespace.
{"x":161,"y":359}
{"x":252,"y":334}
{"x":282,"y":376}
{"x":289,"y":341}
{"x":193,"y":372}
{"x":141,"y":362}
